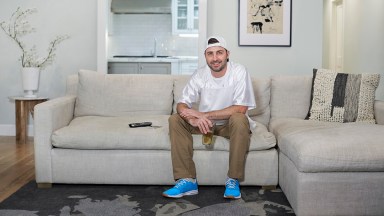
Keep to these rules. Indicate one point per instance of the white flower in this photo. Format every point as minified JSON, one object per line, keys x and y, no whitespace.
{"x":18,"y":27}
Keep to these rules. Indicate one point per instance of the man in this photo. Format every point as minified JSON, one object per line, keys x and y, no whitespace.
{"x":224,"y":92}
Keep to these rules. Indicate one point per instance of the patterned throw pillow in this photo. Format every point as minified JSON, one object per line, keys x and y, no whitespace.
{"x":342,"y":97}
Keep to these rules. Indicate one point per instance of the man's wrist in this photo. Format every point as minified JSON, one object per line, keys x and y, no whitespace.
{"x":207,"y":115}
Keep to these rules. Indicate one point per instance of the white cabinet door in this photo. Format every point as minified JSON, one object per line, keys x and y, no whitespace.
{"x":123,"y":68}
{"x":139,"y":68}
{"x":188,"y":67}
{"x":155,"y":68}
{"x":185,"y":16}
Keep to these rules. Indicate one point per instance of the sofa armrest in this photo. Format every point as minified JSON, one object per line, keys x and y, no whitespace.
{"x":48,"y":117}
{"x":379,"y":112}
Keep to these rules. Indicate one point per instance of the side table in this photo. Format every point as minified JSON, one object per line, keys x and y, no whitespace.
{"x":24,"y":106}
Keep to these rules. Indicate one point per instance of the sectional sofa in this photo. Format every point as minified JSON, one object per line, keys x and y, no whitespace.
{"x":324,"y":168}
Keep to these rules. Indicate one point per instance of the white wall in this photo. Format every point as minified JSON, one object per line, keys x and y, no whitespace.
{"x":54,"y":17}
{"x":301,"y":58}
{"x":78,"y":19}
{"x":364,"y":23}
{"x":363,"y":38}
{"x":326,"y":33}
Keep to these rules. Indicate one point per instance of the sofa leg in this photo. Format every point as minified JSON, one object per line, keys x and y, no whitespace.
{"x":44,"y":185}
{"x":268,"y":187}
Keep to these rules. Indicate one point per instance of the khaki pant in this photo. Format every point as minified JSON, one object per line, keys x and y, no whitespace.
{"x":237,"y":131}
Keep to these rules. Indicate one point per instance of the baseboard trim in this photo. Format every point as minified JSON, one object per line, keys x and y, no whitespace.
{"x":10,"y":130}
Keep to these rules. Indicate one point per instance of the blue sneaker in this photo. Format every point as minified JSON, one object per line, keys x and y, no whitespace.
{"x":183,"y":187}
{"x":232,"y":189}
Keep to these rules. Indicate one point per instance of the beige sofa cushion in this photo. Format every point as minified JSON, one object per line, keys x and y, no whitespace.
{"x":315,"y":146}
{"x":262,"y":91}
{"x":179,"y":83}
{"x":290,"y":96}
{"x":101,"y":94}
{"x":101,"y":132}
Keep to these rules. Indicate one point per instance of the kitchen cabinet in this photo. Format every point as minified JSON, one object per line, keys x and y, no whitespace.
{"x":185,"y":16}
{"x":188,"y":66}
{"x":155,"y":68}
{"x":139,"y":67}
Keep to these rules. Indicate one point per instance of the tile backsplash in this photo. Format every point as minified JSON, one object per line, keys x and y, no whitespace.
{"x":134,"y":34}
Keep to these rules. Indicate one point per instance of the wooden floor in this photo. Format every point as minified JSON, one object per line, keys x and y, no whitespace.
{"x":16,"y":165}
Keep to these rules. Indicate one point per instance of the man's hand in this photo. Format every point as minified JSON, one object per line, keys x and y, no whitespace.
{"x":195,"y":118}
{"x":203,"y":124}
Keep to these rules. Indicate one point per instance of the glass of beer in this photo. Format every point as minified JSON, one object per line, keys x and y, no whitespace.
{"x":208,"y":137}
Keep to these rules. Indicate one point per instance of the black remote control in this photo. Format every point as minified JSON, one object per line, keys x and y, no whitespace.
{"x":140,"y":124}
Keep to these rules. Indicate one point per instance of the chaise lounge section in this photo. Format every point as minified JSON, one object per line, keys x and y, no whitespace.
{"x":326,"y":168}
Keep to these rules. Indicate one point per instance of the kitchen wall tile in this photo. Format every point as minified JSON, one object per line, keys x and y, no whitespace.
{"x":134,"y":34}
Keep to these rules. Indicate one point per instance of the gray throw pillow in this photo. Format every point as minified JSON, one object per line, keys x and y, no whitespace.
{"x":343,"y":97}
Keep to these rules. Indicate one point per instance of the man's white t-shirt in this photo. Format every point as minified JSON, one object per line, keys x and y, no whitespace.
{"x":234,"y":88}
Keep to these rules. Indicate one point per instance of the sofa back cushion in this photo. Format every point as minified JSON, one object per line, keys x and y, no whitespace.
{"x":262,"y":92}
{"x":290,"y":96}
{"x":101,"y":94}
{"x":179,"y":83}
{"x":261,"y":88}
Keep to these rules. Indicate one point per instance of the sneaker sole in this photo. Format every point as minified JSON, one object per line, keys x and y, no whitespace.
{"x":188,"y":193}
{"x":232,"y":197}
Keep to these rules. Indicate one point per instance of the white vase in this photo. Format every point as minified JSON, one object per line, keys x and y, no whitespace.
{"x":30,"y":76}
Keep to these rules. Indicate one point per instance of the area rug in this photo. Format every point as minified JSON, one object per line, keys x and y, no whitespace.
{"x":128,"y":200}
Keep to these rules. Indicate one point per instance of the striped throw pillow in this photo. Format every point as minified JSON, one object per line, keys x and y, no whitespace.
{"x":343,"y":97}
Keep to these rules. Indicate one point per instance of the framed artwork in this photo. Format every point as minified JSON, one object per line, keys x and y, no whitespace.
{"x":265,"y":22}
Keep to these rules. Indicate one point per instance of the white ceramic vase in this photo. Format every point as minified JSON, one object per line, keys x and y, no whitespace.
{"x":30,"y":77}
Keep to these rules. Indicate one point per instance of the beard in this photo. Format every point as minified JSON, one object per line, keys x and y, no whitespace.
{"x":217,"y":69}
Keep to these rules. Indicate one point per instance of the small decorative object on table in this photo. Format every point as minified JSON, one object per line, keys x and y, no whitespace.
{"x":30,"y":77}
{"x":18,"y":27}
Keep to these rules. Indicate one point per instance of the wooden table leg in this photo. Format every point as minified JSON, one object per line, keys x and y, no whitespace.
{"x":23,"y":108}
{"x":21,"y":121}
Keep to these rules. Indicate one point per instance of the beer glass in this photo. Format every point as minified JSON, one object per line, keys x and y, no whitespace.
{"x":208,"y":137}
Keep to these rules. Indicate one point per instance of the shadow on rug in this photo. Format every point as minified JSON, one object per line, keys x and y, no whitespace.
{"x":104,"y":200}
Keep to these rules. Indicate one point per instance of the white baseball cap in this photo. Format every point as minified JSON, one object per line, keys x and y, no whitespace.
{"x":216,"y":41}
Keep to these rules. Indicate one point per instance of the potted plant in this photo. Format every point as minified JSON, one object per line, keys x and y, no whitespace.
{"x":17,"y":27}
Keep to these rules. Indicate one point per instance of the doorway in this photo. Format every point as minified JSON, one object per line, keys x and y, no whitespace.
{"x":337,"y":36}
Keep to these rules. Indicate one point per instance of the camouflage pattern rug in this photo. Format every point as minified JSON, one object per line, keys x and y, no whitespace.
{"x":129,"y":200}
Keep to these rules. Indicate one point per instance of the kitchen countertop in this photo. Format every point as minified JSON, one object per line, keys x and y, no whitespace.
{"x":171,"y":59}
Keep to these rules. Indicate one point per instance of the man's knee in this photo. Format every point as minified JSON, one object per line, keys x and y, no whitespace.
{"x":174,"y":118}
{"x":239,"y":120}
